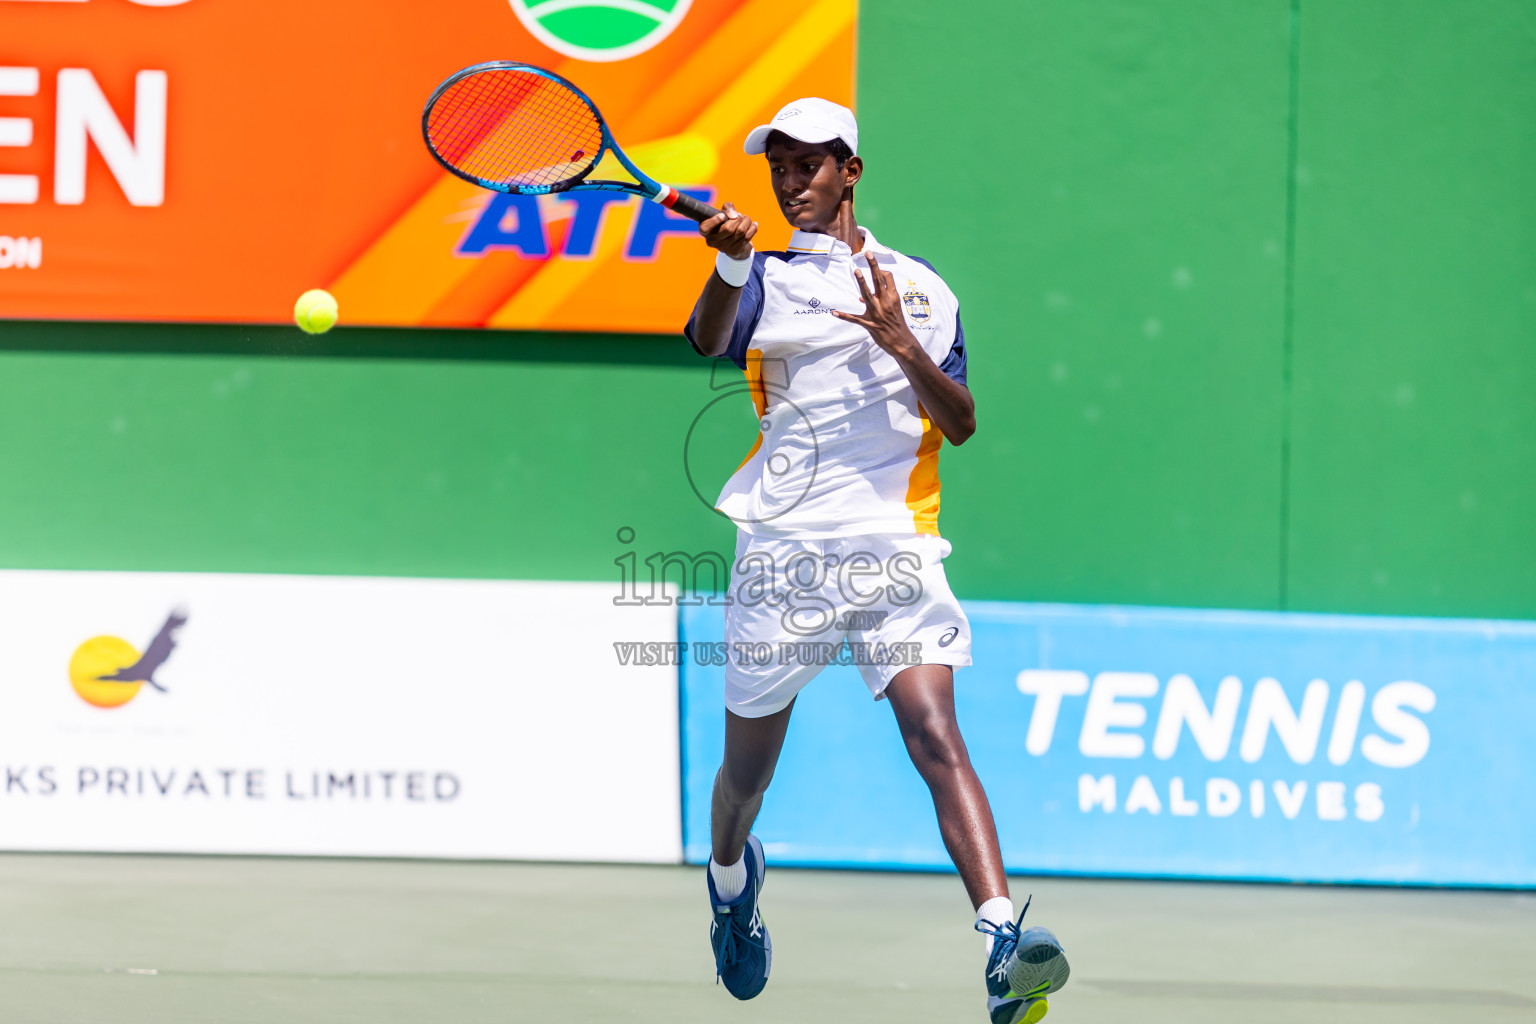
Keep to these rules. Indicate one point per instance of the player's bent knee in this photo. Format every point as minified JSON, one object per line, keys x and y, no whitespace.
{"x":936,"y":747}
{"x":741,"y":787}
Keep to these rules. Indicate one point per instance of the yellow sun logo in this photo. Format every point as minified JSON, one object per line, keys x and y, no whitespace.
{"x":100,"y":656}
{"x":108,"y":671}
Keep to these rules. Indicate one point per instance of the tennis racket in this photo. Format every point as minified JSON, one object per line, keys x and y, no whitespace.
{"x":513,"y":127}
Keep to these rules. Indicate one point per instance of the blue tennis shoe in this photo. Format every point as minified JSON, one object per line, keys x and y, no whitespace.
{"x":743,"y":952}
{"x":1023,"y":968}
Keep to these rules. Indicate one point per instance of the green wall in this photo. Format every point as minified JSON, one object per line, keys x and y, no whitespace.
{"x":1117,"y":241}
{"x":1249,"y":290}
{"x":399,"y":453}
{"x":1413,"y":473}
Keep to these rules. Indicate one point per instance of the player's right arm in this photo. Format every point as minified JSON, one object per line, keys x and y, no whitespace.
{"x":715,"y":312}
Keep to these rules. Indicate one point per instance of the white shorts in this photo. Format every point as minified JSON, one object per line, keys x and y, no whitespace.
{"x":793,"y":603}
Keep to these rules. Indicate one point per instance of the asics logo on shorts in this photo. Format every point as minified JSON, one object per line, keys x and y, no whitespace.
{"x":949,"y":636}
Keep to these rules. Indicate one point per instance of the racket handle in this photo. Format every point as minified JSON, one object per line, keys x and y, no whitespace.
{"x":686,"y":205}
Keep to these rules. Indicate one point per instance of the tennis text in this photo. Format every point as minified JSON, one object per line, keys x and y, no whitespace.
{"x":1115,"y":715}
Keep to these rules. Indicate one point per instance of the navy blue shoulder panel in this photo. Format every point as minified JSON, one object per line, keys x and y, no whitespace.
{"x":954,"y":363}
{"x":919,"y":259}
{"x":748,"y":312}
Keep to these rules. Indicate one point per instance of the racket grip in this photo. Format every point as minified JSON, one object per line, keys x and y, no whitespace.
{"x":686,"y":205}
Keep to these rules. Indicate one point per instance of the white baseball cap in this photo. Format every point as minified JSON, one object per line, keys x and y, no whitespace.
{"x":811,"y":119}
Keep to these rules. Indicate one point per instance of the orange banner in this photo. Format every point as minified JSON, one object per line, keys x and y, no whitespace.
{"x":212,"y":159}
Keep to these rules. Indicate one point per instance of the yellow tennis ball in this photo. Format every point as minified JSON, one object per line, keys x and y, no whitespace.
{"x":316,"y":311}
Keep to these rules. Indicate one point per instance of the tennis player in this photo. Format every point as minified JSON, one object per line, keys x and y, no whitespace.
{"x":856,"y":363}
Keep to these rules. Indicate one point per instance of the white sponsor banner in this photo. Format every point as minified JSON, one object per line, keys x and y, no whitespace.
{"x":210,"y":713}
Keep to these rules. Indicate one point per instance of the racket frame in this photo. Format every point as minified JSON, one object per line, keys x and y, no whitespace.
{"x":647,"y":187}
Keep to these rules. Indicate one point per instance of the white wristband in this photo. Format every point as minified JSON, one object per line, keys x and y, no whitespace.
{"x":733,"y":272}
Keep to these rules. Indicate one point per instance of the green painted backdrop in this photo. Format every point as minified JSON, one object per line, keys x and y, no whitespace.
{"x":1249,"y":290}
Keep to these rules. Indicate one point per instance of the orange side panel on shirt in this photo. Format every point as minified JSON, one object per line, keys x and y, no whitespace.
{"x":754,"y":372}
{"x":923,"y":484}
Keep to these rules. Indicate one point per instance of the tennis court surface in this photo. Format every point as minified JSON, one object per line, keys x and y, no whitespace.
{"x":135,"y":938}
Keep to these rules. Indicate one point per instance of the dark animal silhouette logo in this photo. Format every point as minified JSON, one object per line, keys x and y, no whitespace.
{"x":107,"y":671}
{"x":155,"y":655}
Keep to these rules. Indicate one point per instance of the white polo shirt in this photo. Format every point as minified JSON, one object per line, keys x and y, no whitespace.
{"x":844,"y":449}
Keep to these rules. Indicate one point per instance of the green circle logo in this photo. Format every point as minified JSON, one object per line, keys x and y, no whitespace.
{"x":600,"y":30}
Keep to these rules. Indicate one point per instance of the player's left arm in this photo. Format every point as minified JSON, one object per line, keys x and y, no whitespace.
{"x":947,"y":402}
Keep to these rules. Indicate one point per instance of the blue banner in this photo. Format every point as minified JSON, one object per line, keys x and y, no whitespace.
{"x":1143,"y":741}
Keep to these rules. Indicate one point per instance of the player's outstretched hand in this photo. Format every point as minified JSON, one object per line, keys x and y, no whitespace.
{"x":883,"y":316}
{"x":730,"y":231}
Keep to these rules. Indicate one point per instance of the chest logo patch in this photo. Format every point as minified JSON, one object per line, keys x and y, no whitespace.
{"x":917,"y":304}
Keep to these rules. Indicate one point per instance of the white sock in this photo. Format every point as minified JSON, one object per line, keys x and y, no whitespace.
{"x":996,"y":911}
{"x":730,"y":879}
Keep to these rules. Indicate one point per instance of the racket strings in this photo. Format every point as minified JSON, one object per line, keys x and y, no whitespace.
{"x":514,"y":128}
